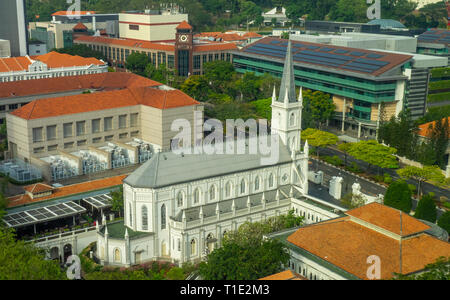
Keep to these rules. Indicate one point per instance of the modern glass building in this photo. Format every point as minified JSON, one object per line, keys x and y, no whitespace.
{"x":363,"y":84}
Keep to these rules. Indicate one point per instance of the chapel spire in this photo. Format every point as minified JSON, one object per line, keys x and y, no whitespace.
{"x":287,"y":88}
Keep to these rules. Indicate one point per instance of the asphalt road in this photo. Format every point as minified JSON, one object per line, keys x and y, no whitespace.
{"x":426,"y":187}
{"x":367,"y":187}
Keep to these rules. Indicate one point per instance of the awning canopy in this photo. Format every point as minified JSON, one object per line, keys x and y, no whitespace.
{"x":100,"y":201}
{"x":43,"y":214}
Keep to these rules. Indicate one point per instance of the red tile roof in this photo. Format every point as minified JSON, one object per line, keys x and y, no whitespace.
{"x":65,"y":12}
{"x":125,"y":43}
{"x":52,"y":60}
{"x":104,"y":81}
{"x":347,"y":244}
{"x":215,"y":47}
{"x":285,"y":275}
{"x":426,"y":129}
{"x":388,"y":218}
{"x":184,"y":25}
{"x":54,"y":107}
{"x":38,"y":188}
{"x":80,"y":26}
{"x":69,"y":190}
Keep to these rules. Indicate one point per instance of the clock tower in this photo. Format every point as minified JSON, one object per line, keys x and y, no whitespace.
{"x":184,"y":46}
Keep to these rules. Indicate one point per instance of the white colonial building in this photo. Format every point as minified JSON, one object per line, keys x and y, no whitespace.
{"x":52,"y":64}
{"x":179,"y":206}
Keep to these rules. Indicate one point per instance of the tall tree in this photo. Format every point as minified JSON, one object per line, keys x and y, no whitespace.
{"x":318,"y":107}
{"x":137,"y":62}
{"x":426,"y":209}
{"x":444,"y":221}
{"x":318,"y":138}
{"x":440,"y":136}
{"x":218,"y":74}
{"x":421,"y":174}
{"x":20,"y":260}
{"x":117,"y":200}
{"x":197,"y":87}
{"x":398,"y":195}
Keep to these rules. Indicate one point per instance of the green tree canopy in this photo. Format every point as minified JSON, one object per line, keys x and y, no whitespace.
{"x":426,"y":209}
{"x":421,"y":174}
{"x":218,"y":74}
{"x":444,"y":221}
{"x":83,"y":51}
{"x":117,"y":200}
{"x":374,"y":153}
{"x":439,"y":270}
{"x":318,"y":138}
{"x":398,"y":195}
{"x":137,"y":62}
{"x":20,"y":260}
{"x":318,"y":107}
{"x":349,"y":11}
{"x":197,"y":87}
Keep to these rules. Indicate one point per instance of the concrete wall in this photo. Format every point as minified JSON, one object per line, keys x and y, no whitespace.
{"x":5,"y":48}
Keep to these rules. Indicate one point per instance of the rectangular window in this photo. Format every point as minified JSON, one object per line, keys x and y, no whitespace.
{"x":154,"y":58}
{"x":38,"y":150}
{"x":109,"y":138}
{"x":108,"y":123}
{"x":210,"y":57}
{"x":13,"y":106}
{"x":205,"y":58}
{"x":134,"y":134}
{"x":123,"y":135}
{"x":196,"y":61}
{"x":2,"y":107}
{"x":134,"y":120}
{"x":96,"y":140}
{"x":68,"y":145}
{"x":170,"y":61}
{"x":133,"y":27}
{"x":228,"y":57}
{"x":37,"y":134}
{"x":81,"y":128}
{"x":95,"y":125}
{"x":222,"y":56}
{"x":122,"y":121}
{"x":52,"y":148}
{"x":216,"y":56}
{"x":81,"y":143}
{"x":51,"y":132}
{"x":68,"y":130}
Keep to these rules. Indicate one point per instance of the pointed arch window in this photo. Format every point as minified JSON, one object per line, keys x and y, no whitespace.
{"x":228,"y":188}
{"x":197,"y":195}
{"x":212,"y":192}
{"x":257,"y":183}
{"x":144,"y":213}
{"x":243,"y":186}
{"x":180,"y":199}
{"x":292,"y":119}
{"x":271,"y":180}
{"x":163,"y":216}
{"x":193,"y":247}
{"x":117,"y":256}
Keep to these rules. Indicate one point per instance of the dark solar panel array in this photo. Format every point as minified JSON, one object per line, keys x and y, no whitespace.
{"x":323,"y":56}
{"x":43,"y":214}
{"x":99,"y":201}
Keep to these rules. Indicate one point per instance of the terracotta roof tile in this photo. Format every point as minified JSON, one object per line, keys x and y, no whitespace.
{"x":285,"y":275}
{"x":125,"y":42}
{"x":64,"y":13}
{"x":184,"y":25}
{"x":215,"y":47}
{"x":106,"y":81}
{"x":388,"y":218}
{"x":426,"y":129}
{"x":54,"y":107}
{"x":38,"y":188}
{"x":68,"y":190}
{"x":80,"y":26}
{"x":348,"y":245}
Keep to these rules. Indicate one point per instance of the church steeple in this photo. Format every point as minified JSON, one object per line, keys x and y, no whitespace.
{"x":287,"y":109}
{"x":287,"y":88}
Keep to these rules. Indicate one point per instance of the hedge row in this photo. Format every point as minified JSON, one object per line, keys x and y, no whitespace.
{"x":439,"y":85}
{"x":440,"y":72}
{"x":439,"y":97}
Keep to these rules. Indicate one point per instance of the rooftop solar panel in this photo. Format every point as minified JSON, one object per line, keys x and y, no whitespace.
{"x":374,"y":55}
{"x":356,"y":53}
{"x":363,"y":66}
{"x":326,"y":49}
{"x":372,"y":62}
{"x":356,"y":69}
{"x":341,"y":51}
{"x":313,"y":47}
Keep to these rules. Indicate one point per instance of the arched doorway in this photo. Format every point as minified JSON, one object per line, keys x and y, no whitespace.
{"x":210,"y":242}
{"x":54,"y":253}
{"x":67,"y":251}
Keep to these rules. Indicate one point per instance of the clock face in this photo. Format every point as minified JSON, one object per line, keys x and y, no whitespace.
{"x":183,"y":38}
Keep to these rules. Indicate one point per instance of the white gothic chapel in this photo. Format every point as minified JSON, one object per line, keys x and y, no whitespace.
{"x":178,"y":207}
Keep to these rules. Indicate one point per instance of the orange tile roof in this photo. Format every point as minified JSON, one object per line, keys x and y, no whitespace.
{"x":105,"y":81}
{"x":215,"y":47}
{"x":285,"y":275}
{"x":80,"y":26}
{"x":54,"y":107}
{"x":388,"y":218}
{"x":38,"y":188}
{"x":252,"y":34}
{"x":69,"y":190}
{"x":64,"y":13}
{"x":426,"y":129}
{"x":348,"y":245}
{"x":52,"y":60}
{"x":184,"y":25}
{"x":125,"y":42}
